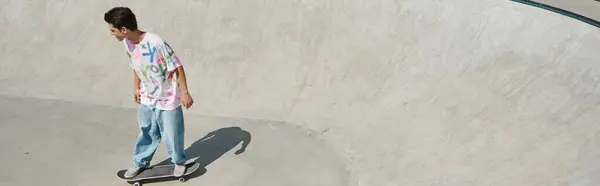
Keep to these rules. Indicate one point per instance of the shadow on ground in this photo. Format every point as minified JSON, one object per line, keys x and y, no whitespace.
{"x":214,"y":144}
{"x":210,"y":148}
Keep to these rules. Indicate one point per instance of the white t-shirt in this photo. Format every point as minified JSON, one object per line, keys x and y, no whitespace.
{"x":154,"y":62}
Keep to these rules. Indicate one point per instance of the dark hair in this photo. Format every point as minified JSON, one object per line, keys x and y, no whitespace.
{"x":121,"y":17}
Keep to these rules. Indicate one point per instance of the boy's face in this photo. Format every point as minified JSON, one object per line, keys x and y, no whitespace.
{"x":120,"y":34}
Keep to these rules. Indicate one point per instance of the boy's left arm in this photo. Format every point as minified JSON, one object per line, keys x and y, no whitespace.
{"x":186,"y":98}
{"x":181,"y":79}
{"x":174,"y":65}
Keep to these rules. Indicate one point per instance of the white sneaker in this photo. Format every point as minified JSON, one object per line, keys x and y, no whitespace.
{"x":179,"y":170}
{"x":133,"y":172}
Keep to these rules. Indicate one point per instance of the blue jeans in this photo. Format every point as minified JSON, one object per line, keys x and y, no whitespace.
{"x":155,"y":125}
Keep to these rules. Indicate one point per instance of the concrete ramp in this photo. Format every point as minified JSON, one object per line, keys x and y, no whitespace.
{"x":583,"y":8}
{"x":331,"y":93}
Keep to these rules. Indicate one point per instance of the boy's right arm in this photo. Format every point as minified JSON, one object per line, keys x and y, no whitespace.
{"x":136,"y":88}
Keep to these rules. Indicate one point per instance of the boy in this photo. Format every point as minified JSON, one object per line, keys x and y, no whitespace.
{"x":159,"y":89}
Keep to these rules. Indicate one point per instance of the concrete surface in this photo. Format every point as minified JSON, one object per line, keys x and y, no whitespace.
{"x":49,"y":142}
{"x":588,"y":8}
{"x":348,"y":92}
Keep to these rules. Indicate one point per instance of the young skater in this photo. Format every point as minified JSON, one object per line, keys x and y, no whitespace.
{"x":159,"y":89}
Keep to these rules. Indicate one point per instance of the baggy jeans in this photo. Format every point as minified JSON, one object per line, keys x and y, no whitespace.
{"x":154,"y":125}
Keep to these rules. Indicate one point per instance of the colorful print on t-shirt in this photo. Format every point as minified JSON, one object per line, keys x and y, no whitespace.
{"x":154,"y":62}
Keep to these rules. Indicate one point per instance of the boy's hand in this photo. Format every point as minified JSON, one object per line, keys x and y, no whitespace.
{"x":186,"y":100}
{"x":136,"y":88}
{"x":136,"y":96}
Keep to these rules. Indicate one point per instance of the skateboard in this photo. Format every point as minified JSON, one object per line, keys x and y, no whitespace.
{"x":156,"y":172}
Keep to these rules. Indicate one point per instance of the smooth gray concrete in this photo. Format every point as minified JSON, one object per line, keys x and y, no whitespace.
{"x":588,"y":8}
{"x":432,"y":93}
{"x":47,"y":142}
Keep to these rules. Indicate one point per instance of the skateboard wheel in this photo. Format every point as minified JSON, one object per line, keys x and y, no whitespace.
{"x":182,"y":179}
{"x":136,"y":184}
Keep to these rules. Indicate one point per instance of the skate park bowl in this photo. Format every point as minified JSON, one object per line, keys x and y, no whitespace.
{"x":319,"y":93}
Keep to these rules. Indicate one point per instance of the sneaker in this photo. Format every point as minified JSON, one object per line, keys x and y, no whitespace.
{"x":133,"y":172}
{"x":179,"y":170}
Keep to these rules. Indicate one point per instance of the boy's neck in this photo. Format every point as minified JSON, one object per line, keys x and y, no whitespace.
{"x":137,"y":36}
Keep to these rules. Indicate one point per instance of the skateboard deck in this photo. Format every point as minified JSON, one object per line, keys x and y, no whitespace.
{"x":156,"y":172}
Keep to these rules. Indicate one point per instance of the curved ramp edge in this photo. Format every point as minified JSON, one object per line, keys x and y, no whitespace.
{"x":561,"y":11}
